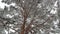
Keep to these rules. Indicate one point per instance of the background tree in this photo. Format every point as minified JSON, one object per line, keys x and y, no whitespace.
{"x":30,"y":17}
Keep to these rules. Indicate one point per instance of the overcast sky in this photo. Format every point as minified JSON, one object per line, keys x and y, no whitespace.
{"x":2,"y":5}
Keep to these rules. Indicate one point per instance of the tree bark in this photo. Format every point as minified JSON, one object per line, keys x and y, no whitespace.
{"x":23,"y":25}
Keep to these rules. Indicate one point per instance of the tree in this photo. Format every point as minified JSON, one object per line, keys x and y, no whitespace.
{"x":30,"y":16}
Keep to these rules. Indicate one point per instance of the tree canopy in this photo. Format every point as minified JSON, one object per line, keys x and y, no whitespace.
{"x":30,"y":17}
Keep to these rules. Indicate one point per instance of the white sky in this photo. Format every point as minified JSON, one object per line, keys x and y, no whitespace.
{"x":54,"y":11}
{"x":2,"y":5}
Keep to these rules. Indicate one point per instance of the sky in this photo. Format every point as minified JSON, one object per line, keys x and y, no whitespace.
{"x":2,"y":5}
